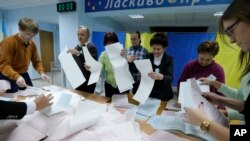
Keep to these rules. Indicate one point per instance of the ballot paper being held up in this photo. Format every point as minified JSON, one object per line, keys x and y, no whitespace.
{"x":95,"y":66}
{"x":123,"y":77}
{"x":71,"y":69}
{"x":146,"y":83}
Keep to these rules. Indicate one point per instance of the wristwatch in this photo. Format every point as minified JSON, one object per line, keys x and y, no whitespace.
{"x":205,"y":126}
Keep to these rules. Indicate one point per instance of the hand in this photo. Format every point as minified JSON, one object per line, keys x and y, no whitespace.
{"x":74,"y":51}
{"x":87,"y":67}
{"x":44,"y":76}
{"x":131,"y":58}
{"x":195,"y":116}
{"x":156,"y":75}
{"x":2,"y":92}
{"x":124,"y":53}
{"x":21,"y":82}
{"x":205,"y":81}
{"x":43,"y":101}
{"x":213,"y":98}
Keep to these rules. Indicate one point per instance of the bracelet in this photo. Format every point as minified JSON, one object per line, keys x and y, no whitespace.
{"x":205,"y":126}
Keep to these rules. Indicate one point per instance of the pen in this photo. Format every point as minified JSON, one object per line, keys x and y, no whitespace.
{"x":42,"y":139}
{"x":176,"y":110}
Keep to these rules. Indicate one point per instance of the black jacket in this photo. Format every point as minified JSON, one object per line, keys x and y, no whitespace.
{"x":163,"y":88}
{"x":12,"y":110}
{"x":80,"y":60}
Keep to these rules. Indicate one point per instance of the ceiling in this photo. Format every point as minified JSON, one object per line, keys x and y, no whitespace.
{"x":184,"y":16}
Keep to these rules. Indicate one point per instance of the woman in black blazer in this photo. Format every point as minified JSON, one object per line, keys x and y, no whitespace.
{"x":162,"y":68}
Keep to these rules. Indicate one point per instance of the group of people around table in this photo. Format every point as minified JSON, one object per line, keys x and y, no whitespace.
{"x":17,"y":51}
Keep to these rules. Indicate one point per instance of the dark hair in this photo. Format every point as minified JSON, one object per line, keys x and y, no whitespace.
{"x":110,"y":37}
{"x":238,"y":9}
{"x":159,"y":38}
{"x":210,"y":47}
{"x":28,"y":24}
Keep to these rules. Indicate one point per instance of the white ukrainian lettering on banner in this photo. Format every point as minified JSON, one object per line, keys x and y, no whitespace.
{"x":150,"y":2}
{"x":159,"y":2}
{"x":194,"y":1}
{"x":140,"y":3}
{"x":117,"y":4}
{"x":132,"y":3}
{"x":124,"y":3}
{"x":109,"y":4}
{"x":209,"y":0}
{"x":184,"y":1}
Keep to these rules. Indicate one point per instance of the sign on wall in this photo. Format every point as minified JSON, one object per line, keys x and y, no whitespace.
{"x":108,"y":5}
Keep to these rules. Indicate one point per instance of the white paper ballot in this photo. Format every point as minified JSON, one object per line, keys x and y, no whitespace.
{"x":123,"y":77}
{"x":191,"y":96}
{"x":95,"y":66}
{"x":147,"y":83}
{"x":71,"y":69}
{"x":62,"y":101}
{"x":4,"y":85}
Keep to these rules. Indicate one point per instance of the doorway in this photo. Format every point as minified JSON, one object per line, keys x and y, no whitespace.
{"x":47,"y":49}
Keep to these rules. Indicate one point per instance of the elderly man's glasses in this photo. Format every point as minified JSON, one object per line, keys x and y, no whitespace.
{"x":230,"y":30}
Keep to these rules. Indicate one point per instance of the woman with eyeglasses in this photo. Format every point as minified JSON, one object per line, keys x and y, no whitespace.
{"x":235,"y":22}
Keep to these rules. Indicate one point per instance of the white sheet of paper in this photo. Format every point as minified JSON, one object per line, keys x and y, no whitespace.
{"x":61,"y":102}
{"x":75,"y":124}
{"x":4,"y":85}
{"x":24,"y":132}
{"x":147,"y":83}
{"x":123,"y":77}
{"x":149,"y":108}
{"x":121,"y":101}
{"x":192,"y":97}
{"x":203,"y":88}
{"x":71,"y":69}
{"x":95,"y":66}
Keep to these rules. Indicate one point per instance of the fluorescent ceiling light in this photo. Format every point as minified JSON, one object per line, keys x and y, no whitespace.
{"x":218,"y":14}
{"x":136,"y":16}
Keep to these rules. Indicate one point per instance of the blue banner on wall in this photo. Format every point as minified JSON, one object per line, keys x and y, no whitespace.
{"x":108,"y":5}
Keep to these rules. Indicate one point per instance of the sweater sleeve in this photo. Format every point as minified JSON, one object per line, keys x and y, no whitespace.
{"x":230,"y":92}
{"x":6,"y":53}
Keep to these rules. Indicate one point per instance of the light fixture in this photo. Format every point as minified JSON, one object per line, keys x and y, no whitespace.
{"x":136,"y":16}
{"x":218,"y":14}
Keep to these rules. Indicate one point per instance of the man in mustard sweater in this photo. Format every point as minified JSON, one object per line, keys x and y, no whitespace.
{"x":16,"y":52}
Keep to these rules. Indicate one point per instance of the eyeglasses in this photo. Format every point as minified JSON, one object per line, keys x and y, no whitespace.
{"x":230,"y":30}
{"x":29,"y":34}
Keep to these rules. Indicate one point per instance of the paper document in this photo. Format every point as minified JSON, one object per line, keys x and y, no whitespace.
{"x":71,"y":69}
{"x":123,"y":77}
{"x":191,"y":96}
{"x":149,"y":108}
{"x":31,"y":91}
{"x":176,"y":123}
{"x":121,"y":101}
{"x":95,"y":66}
{"x":61,"y":102}
{"x":146,"y":83}
{"x":4,"y":85}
